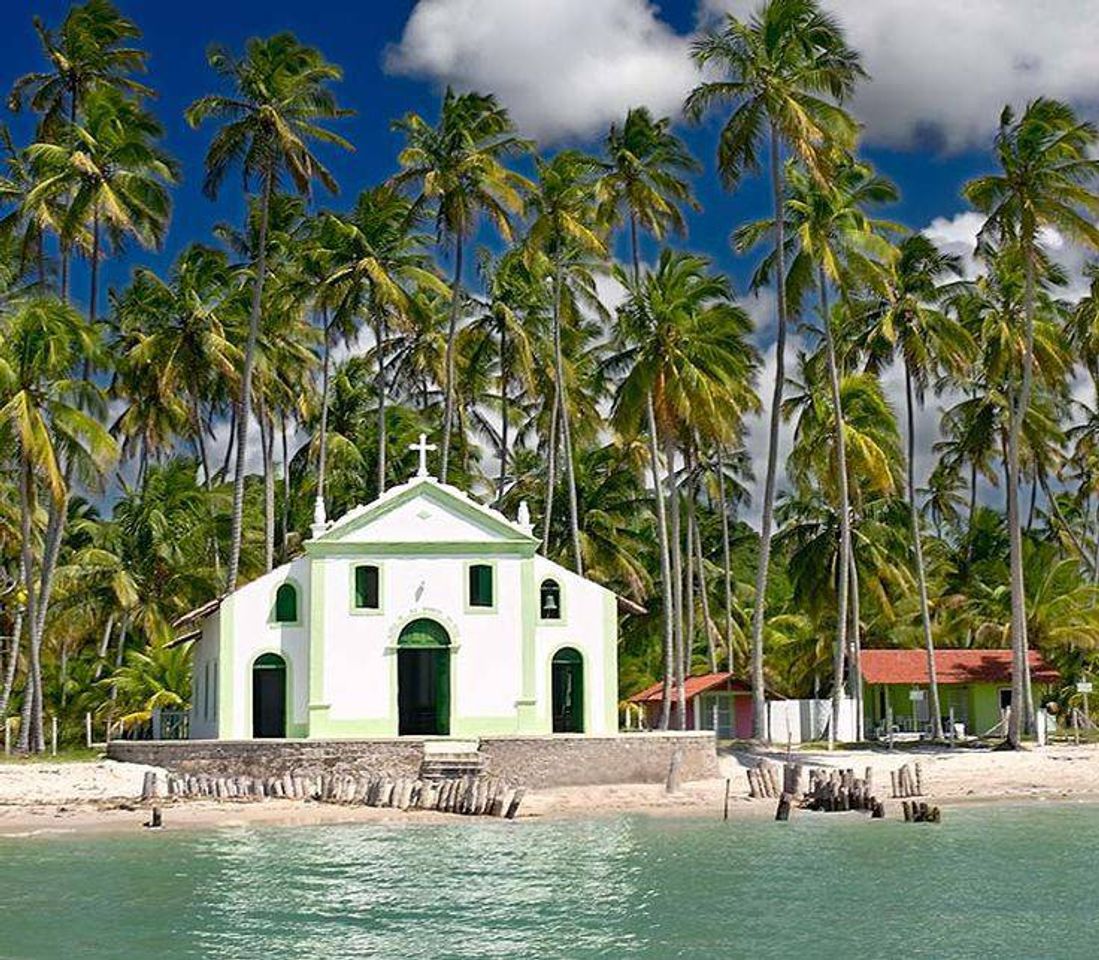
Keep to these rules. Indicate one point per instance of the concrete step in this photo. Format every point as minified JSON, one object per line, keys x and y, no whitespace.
{"x":442,"y":767}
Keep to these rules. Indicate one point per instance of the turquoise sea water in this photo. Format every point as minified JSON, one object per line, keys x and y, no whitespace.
{"x":1016,"y":882}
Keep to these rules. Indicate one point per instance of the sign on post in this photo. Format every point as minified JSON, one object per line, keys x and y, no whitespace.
{"x":915,"y":695}
{"x":1084,"y":686}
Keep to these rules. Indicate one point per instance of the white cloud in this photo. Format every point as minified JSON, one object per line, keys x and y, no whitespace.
{"x":948,"y":68}
{"x":563,"y":67}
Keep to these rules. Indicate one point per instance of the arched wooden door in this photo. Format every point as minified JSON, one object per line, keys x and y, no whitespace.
{"x":269,"y":696}
{"x":423,"y":679}
{"x":568,"y":691}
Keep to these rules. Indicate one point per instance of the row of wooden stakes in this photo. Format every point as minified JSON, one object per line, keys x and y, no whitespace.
{"x":920,"y":812}
{"x":840,"y":790}
{"x":907,"y":781}
{"x":472,"y":796}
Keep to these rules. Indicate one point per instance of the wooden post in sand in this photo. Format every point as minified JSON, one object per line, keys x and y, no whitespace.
{"x":53,"y":735}
{"x":88,"y":730}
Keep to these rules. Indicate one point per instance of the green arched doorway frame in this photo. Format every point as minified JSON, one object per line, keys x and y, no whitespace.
{"x":567,"y":670}
{"x":269,"y":686}
{"x":423,"y":679}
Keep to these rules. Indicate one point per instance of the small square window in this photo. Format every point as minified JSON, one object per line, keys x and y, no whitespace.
{"x":480,"y":585}
{"x":366,"y":588}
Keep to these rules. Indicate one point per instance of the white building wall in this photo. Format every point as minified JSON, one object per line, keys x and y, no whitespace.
{"x":583,"y":626}
{"x":255,"y":632}
{"x":204,"y":684}
{"x":356,"y":649}
{"x":360,"y":657}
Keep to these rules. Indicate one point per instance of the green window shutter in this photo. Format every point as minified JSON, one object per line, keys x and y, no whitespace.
{"x":480,"y":585}
{"x":286,"y":604}
{"x":366,"y":588}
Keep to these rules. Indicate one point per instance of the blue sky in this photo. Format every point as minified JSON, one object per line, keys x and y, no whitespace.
{"x":356,"y":35}
{"x":941,"y":72}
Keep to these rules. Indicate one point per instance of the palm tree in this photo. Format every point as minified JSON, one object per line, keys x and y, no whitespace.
{"x":457,"y":167}
{"x":841,"y":244}
{"x":563,"y":225}
{"x":783,"y":69}
{"x":687,"y":362}
{"x":113,"y":178}
{"x":643,"y":180}
{"x":45,"y":410}
{"x":90,"y":50}
{"x":377,"y":258}
{"x":908,"y":322}
{"x":279,"y":96}
{"x":1046,"y":169}
{"x":181,"y":331}
{"x":516,"y":310}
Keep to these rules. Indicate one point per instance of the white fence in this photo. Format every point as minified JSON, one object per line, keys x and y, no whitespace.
{"x":797,"y":721}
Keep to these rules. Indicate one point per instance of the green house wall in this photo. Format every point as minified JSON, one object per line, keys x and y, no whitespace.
{"x":975,"y":704}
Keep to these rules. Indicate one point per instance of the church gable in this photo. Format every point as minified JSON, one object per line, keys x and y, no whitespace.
{"x":424,"y":511}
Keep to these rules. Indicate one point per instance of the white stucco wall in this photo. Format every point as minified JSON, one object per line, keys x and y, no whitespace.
{"x":255,"y":632}
{"x":205,"y":654}
{"x":423,"y":549}
{"x":583,"y":626}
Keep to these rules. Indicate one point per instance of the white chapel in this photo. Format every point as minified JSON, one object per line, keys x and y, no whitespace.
{"x":422,"y":614}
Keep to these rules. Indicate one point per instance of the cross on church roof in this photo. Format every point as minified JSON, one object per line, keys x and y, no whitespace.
{"x":423,"y":448}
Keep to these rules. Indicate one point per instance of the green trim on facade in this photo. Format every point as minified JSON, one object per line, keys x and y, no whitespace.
{"x":317,"y":701}
{"x":526,"y":707}
{"x":294,"y":728}
{"x":356,"y":611}
{"x":415,"y":548}
{"x":467,"y":585}
{"x":431,"y":490}
{"x":610,"y":661}
{"x":562,"y":618}
{"x":225,"y":669}
{"x":482,"y":726}
{"x":272,"y":605}
{"x":585,"y":687}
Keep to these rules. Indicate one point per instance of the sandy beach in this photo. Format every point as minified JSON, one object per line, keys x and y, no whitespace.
{"x":44,"y":798}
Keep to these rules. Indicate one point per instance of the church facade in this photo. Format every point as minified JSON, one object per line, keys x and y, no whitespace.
{"x":422,"y":614}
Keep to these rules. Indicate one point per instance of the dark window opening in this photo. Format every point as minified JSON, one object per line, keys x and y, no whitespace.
{"x":550,"y":600}
{"x":286,"y":604}
{"x":480,"y":585}
{"x":366,"y":588}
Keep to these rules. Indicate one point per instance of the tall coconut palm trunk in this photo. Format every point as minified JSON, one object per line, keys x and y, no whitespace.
{"x":665,"y":566}
{"x":30,"y":731}
{"x":855,"y":672}
{"x":244,"y":402}
{"x":917,"y":547}
{"x":504,"y":418}
{"x":451,"y":336}
{"x":1020,"y":673}
{"x":843,"y":566}
{"x":13,"y":648}
{"x":551,"y":468}
{"x":380,"y":387}
{"x":726,"y":558}
{"x":566,"y":428}
{"x":677,"y":582}
{"x":267,"y":444}
{"x":320,"y":511}
{"x":760,"y":726}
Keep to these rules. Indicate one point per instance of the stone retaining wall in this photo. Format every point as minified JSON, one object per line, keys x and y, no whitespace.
{"x":556,"y":761}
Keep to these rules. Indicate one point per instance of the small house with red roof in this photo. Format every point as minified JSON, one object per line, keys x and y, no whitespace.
{"x":714,"y":701}
{"x":974,"y":688}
